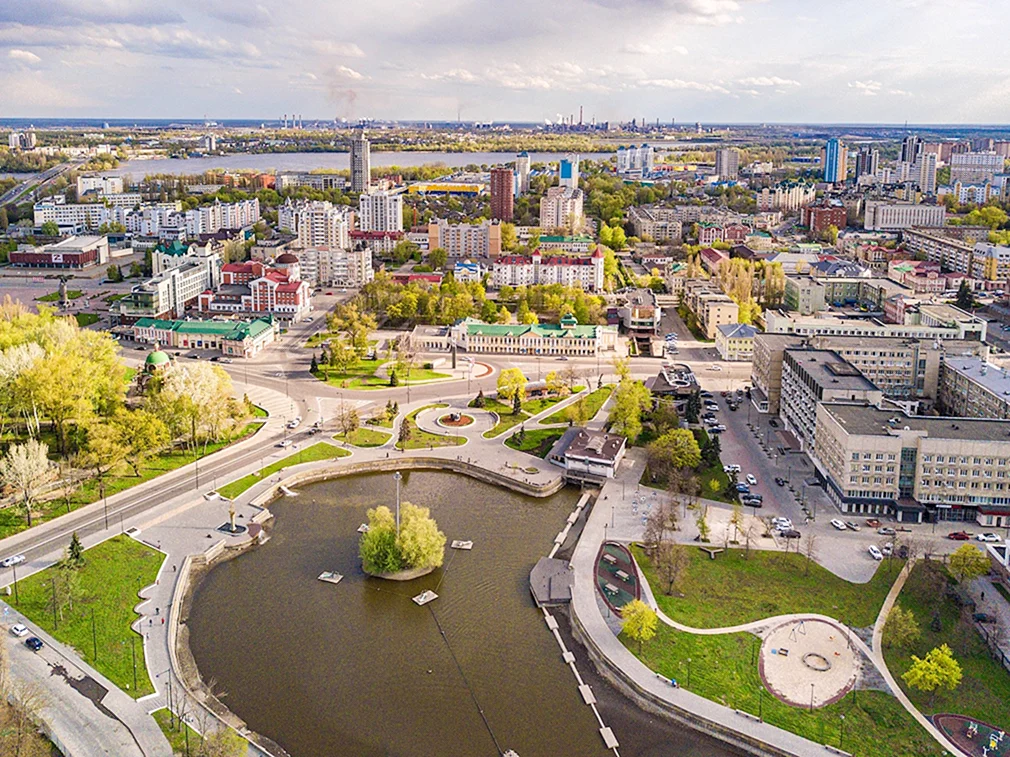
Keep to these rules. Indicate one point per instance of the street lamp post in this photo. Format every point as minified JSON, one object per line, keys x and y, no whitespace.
{"x":841,"y":730}
{"x":16,"y":601}
{"x":688,"y":672}
{"x":397,"y":477}
{"x":811,"y":697}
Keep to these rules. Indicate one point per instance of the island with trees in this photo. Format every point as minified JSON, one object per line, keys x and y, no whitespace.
{"x":413,"y":550}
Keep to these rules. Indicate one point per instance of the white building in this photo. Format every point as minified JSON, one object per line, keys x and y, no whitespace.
{"x":975,"y":167}
{"x":523,"y":270}
{"x":892,"y":216}
{"x":727,"y":164}
{"x":316,"y":223}
{"x":101,"y":185}
{"x":381,"y":211}
{"x":638,"y":160}
{"x":466,"y":271}
{"x":335,"y":266}
{"x":568,"y":171}
{"x":523,"y":172}
{"x":465,"y":240}
{"x":786,"y":197}
{"x":927,"y":173}
{"x":561,"y":208}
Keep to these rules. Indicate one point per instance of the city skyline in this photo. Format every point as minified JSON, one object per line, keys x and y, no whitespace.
{"x":735,"y":61}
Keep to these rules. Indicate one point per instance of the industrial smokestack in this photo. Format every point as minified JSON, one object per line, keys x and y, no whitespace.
{"x":580,"y":115}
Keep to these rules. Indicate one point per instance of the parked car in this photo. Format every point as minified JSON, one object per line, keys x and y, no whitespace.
{"x":706,"y":394}
{"x":872,"y":522}
{"x":838,"y":524}
{"x":714,"y":367}
{"x":959,"y":536}
{"x":874,"y":552}
{"x":780,"y":520}
{"x":988,"y":536}
{"x":34,"y":643}
{"x":886,"y":531}
{"x":10,"y":562}
{"x":780,"y":481}
{"x":790,"y":533}
{"x":751,"y":502}
{"x":717,"y":429}
{"x":751,"y":479}
{"x":723,"y":394}
{"x":285,"y":443}
{"x":19,"y":630}
{"x":227,"y":360}
{"x":211,"y":495}
{"x":887,"y":549}
{"x":743,"y":488}
{"x":773,"y":423}
{"x":731,"y":469}
{"x":978,"y":617}
{"x":852,"y":526}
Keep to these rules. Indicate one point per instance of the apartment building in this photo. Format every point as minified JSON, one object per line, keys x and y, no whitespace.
{"x":891,"y":216}
{"x":526,"y":270}
{"x":882,"y":461}
{"x":99,"y":185}
{"x":316,"y":223}
{"x":975,"y":167}
{"x":336,"y":266}
{"x":727,"y":164}
{"x":637,"y":160}
{"x":766,"y":369}
{"x":466,"y":240}
{"x":503,"y":184}
{"x":656,"y":223}
{"x":561,"y":208}
{"x":970,"y":387}
{"x":711,"y":306}
{"x":381,"y":211}
{"x":819,"y":216}
{"x":953,"y":254}
{"x":991,"y":262}
{"x":786,"y":197}
{"x":811,"y":377}
{"x":735,"y":341}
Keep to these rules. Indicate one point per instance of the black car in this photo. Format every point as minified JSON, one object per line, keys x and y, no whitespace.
{"x":34,"y":643}
{"x":791,"y":533}
{"x":773,"y":423}
{"x":981,"y":617}
{"x":706,"y":394}
{"x":780,"y":481}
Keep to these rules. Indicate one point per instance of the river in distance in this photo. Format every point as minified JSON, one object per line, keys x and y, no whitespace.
{"x":358,"y":669}
{"x":308,"y":161}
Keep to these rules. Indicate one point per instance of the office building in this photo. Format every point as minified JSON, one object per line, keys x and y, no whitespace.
{"x":253,"y":288}
{"x":316,"y":223}
{"x":561,"y":208}
{"x":568,"y":172}
{"x":975,"y":167}
{"x":335,"y":266}
{"x":73,"y":252}
{"x":233,"y":338}
{"x":167,"y":294}
{"x":361,"y":162}
{"x":971,"y":387}
{"x":502,"y":193}
{"x":99,"y":185}
{"x":892,"y":216}
{"x":526,"y":270}
{"x":523,"y":172}
{"x":465,"y":240}
{"x":835,"y":161}
{"x":867,"y":162}
{"x":322,"y":181}
{"x":380,"y":211}
{"x":727,"y":164}
{"x":566,"y":338}
{"x":735,"y":341}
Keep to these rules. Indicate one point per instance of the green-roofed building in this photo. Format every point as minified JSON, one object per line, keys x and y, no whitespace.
{"x":232,"y":338}
{"x":567,"y":338}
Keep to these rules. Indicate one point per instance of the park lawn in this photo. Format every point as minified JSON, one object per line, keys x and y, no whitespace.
{"x":537,"y":442}
{"x":259,"y":412}
{"x":113,"y":573}
{"x":113,"y":298}
{"x":594,"y":401}
{"x":724,"y":669}
{"x":86,"y":319}
{"x":381,"y":421}
{"x":537,"y":406}
{"x":422,"y":439}
{"x":713,"y":480}
{"x":72,"y":294}
{"x":985,"y":688}
{"x":735,"y":589}
{"x":318,"y":451}
{"x":423,"y":374}
{"x":364,"y":437}
{"x":12,"y":520}
{"x":176,"y":733}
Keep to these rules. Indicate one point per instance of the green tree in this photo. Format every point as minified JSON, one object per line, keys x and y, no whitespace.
{"x":702,"y":522}
{"x":437,"y":258}
{"x":479,"y":400}
{"x":511,"y":382}
{"x":675,"y":449}
{"x":965,"y":298}
{"x":630,"y":400}
{"x":617,"y":238}
{"x":378,"y":550}
{"x":508,"y":236}
{"x":901,"y":628}
{"x":640,"y":622}
{"x":938,"y":669}
{"x":141,"y":434}
{"x":113,"y":274}
{"x":968,"y":563}
{"x":692,"y":409}
{"x":421,"y":543}
{"x":405,"y":433}
{"x":75,"y":552}
{"x":50,"y":229}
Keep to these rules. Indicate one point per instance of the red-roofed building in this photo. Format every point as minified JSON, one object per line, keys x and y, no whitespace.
{"x":407,"y":277}
{"x":735,"y":232}
{"x":254,"y":287}
{"x":712,"y":259}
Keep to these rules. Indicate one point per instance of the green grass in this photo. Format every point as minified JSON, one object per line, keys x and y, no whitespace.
{"x":594,"y":401}
{"x":86,"y":319}
{"x":735,"y":589}
{"x":537,"y":442}
{"x":114,"y":572}
{"x":423,"y":439}
{"x":72,"y":294}
{"x":318,"y":451}
{"x":723,"y":669}
{"x":176,"y":734}
{"x":259,"y":412}
{"x":381,"y":421}
{"x":131,"y":373}
{"x":113,"y":298}
{"x":364,"y":437}
{"x":713,"y":480}
{"x":12,"y":519}
{"x":506,"y":418}
{"x":985,"y":688}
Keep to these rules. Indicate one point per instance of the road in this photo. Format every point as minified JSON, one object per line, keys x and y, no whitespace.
{"x":38,"y":181}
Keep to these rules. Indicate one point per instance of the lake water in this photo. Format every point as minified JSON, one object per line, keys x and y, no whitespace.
{"x":358,"y":669}
{"x":307,"y":161}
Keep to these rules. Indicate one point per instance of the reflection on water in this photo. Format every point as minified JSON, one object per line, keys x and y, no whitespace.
{"x":358,"y":669}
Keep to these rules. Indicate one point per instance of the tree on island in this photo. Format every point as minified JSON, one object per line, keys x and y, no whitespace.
{"x":418,"y":545}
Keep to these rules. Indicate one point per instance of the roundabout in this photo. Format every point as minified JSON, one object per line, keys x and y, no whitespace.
{"x":808,"y":663}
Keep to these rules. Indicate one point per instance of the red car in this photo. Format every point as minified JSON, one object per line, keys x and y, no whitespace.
{"x":959,"y":536}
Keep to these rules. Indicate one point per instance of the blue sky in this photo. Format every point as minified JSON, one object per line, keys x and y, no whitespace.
{"x":709,"y":60}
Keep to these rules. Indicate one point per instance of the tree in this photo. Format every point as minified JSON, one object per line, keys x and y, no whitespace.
{"x":223,"y":742}
{"x":662,"y":522}
{"x":809,"y":549}
{"x":437,"y":258}
{"x":479,"y":400}
{"x":630,"y":400}
{"x":50,"y":229}
{"x":418,"y":545}
{"x":313,"y":366}
{"x":553,"y":383}
{"x":674,"y":449}
{"x":640,"y":622}
{"x":199,"y":395}
{"x":968,"y":563}
{"x":141,"y":434}
{"x":938,"y":669}
{"x":103,"y":451}
{"x":672,"y":562}
{"x":508,"y":236}
{"x":347,"y":420}
{"x":511,"y":382}
{"x":405,"y":433}
{"x":692,"y":410}
{"x":393,"y":378}
{"x":736,"y":520}
{"x":113,"y":274}
{"x":578,"y":412}
{"x":75,"y":552}
{"x":901,"y":629}
{"x":965,"y":298}
{"x":517,"y":403}
{"x":702,"y":522}
{"x":26,"y":469}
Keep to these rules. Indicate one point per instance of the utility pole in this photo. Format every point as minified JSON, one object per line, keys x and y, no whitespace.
{"x":397,"y":477}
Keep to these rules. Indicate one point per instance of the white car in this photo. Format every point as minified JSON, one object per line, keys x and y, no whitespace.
{"x":751,"y":479}
{"x":9,"y":562}
{"x":285,"y":443}
{"x":731,"y":469}
{"x":874,"y":552}
{"x":887,"y":549}
{"x":839,"y":525}
{"x":19,"y":630}
{"x":784,"y":524}
{"x":715,"y":367}
{"x":211,"y":495}
{"x":720,"y":428}
{"x":989,"y":536}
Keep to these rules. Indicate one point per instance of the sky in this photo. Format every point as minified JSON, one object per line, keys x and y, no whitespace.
{"x":851,"y":61}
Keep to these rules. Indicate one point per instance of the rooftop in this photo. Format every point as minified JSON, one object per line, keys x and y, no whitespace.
{"x":594,"y":444}
{"x":992,"y":377}
{"x":738,"y":331}
{"x":540,"y":329}
{"x":866,"y":420}
{"x":830,"y":370}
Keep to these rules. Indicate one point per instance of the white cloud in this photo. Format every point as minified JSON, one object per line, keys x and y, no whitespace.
{"x":869,"y":88}
{"x":347,"y":73}
{"x":344,"y":49}
{"x":24,"y":56}
{"x":637,"y":48}
{"x":768,"y":81}
{"x":683,"y":85}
